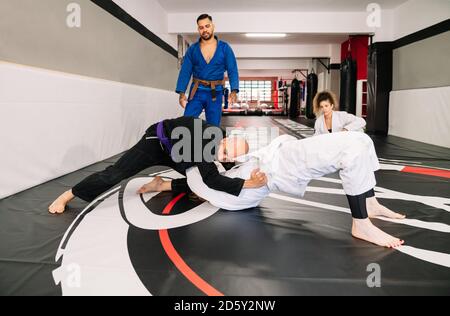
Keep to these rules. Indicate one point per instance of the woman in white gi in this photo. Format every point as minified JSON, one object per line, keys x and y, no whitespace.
{"x":290,"y":164}
{"x":330,"y":120}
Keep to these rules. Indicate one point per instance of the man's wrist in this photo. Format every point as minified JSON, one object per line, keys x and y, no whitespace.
{"x":249,"y":184}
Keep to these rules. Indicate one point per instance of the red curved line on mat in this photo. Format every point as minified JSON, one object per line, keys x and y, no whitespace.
{"x":169,"y":207}
{"x":428,"y":172}
{"x":181,"y":265}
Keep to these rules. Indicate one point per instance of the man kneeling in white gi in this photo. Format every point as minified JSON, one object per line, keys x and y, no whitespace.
{"x":290,"y":164}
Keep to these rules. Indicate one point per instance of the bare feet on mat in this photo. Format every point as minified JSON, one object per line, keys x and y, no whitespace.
{"x":59,"y":205}
{"x":364,"y":229}
{"x":375,"y":209}
{"x":154,"y":186}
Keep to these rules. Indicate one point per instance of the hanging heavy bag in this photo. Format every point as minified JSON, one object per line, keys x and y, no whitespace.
{"x":286,"y":99}
{"x":348,"y":85}
{"x":295,"y":99}
{"x":311,"y":91}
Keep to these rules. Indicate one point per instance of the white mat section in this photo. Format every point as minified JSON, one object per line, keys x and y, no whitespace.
{"x":54,"y":123}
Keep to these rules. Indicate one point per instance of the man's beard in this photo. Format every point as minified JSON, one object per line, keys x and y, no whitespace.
{"x":207,"y":37}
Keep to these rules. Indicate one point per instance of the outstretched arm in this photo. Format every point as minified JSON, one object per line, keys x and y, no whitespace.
{"x":214,"y":180}
{"x":354,"y":123}
{"x":257,"y":180}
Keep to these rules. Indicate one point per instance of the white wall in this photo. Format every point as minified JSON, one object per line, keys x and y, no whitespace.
{"x":416,"y":15}
{"x":278,"y":73}
{"x":411,"y":17}
{"x":386,"y":31}
{"x":408,"y":18}
{"x":151,"y":15}
{"x":285,"y":22}
{"x":268,"y":64}
{"x":54,"y":123}
{"x":280,"y":68}
{"x":421,"y":114}
{"x":281,"y":51}
{"x":335,"y":53}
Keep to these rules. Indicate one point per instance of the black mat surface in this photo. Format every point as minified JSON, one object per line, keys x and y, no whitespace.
{"x":280,"y":248}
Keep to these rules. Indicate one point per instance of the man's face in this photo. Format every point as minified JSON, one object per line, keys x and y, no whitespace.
{"x":231,"y":148}
{"x":206,"y":29}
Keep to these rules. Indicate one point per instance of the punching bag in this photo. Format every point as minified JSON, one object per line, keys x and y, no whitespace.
{"x":348,"y":86}
{"x":275,"y":96}
{"x":312,"y":83}
{"x":379,"y":85}
{"x":286,"y":99}
{"x":226,"y":96}
{"x":295,"y":99}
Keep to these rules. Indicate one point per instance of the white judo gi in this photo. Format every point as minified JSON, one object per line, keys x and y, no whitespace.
{"x":248,"y":198}
{"x":290,"y":164}
{"x":340,"y":120}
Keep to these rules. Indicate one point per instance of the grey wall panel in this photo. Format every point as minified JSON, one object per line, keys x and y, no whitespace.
{"x":35,"y":33}
{"x":424,"y":64}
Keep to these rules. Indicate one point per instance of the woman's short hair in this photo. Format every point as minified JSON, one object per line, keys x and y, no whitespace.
{"x":324,"y":96}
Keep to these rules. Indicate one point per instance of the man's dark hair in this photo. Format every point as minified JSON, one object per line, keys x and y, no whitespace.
{"x":204,"y":17}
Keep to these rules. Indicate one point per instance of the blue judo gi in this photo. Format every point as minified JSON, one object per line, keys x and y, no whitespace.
{"x":195,"y":66}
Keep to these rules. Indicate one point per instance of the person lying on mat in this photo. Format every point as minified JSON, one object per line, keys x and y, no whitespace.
{"x":330,"y":120}
{"x":181,"y":144}
{"x":290,"y":164}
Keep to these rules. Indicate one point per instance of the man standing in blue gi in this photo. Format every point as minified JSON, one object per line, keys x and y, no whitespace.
{"x":206,"y":61}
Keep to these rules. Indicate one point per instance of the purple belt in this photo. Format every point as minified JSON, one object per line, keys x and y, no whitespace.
{"x":162,"y":137}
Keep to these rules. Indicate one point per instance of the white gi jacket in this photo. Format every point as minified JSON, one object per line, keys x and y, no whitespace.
{"x":340,"y":120}
{"x":290,"y":164}
{"x":248,"y":198}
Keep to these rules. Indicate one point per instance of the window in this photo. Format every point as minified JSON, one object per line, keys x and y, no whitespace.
{"x":254,"y":90}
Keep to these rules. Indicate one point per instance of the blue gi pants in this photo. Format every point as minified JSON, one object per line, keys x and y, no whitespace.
{"x":203,"y":101}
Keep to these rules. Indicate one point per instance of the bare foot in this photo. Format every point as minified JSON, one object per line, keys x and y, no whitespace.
{"x":365,"y":230}
{"x":154,"y":186}
{"x":59,"y":205}
{"x":375,"y":209}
